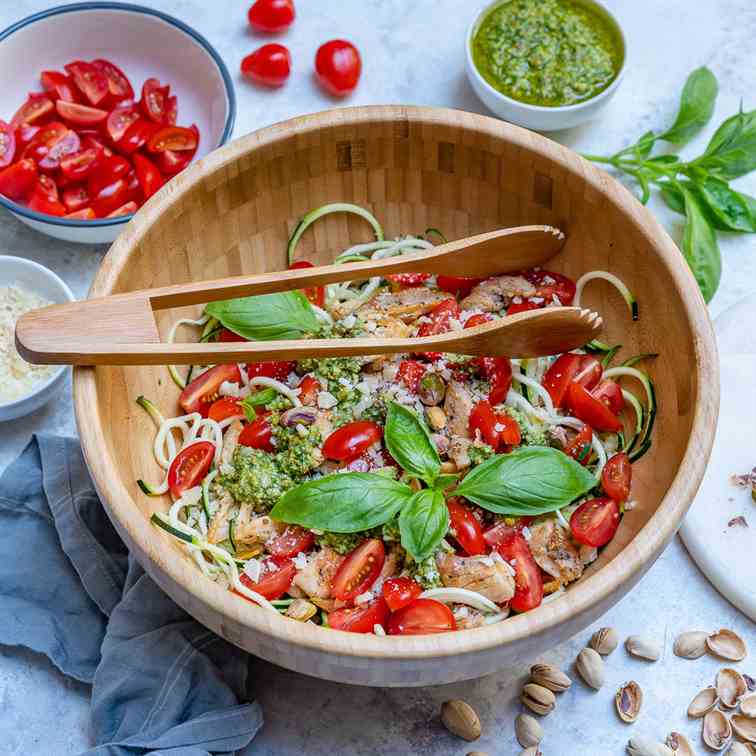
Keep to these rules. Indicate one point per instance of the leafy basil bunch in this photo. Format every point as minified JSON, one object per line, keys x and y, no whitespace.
{"x":528,"y":481}
{"x":699,"y":188}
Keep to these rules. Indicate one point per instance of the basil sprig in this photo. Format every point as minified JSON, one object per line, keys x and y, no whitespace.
{"x":423,"y":522}
{"x":267,"y":317}
{"x":409,"y":443}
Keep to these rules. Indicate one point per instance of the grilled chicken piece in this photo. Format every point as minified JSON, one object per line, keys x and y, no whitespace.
{"x":490,"y":577}
{"x":459,"y":452}
{"x":315,"y":579}
{"x":495,"y":294}
{"x":393,"y":563}
{"x":217,"y":530}
{"x":387,"y":328}
{"x":230,"y":442}
{"x":458,"y":405}
{"x":407,"y":304}
{"x":466,"y":617}
{"x":554,"y":552}
{"x":251,"y":528}
{"x":323,"y":423}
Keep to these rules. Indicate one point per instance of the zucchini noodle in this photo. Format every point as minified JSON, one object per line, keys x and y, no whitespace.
{"x":539,"y":389}
{"x":631,"y":372}
{"x":627,"y":295}
{"x":291,"y":394}
{"x":177,"y":379}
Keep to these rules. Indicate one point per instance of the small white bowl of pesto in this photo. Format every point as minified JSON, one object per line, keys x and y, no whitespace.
{"x":545,"y":64}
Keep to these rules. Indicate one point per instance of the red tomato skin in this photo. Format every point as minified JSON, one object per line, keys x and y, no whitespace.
{"x":510,"y":434}
{"x":350,"y":440}
{"x":478,"y":319}
{"x":360,"y":619}
{"x":498,"y":370}
{"x":227,"y":336}
{"x":25,"y":133}
{"x":35,"y":110}
{"x":400,"y":591}
{"x":89,"y":80}
{"x":616,"y":477}
{"x":465,"y":528}
{"x":75,"y":198}
{"x":18,"y":180}
{"x":41,"y":203}
{"x":258,"y":435}
{"x":549,"y":284}
{"x":171,"y":111}
{"x":79,"y":165}
{"x":58,"y":86}
{"x":154,"y":97}
{"x":580,"y":446}
{"x":119,"y":85}
{"x":119,"y":121}
{"x":316,"y":294}
{"x":80,"y":115}
{"x":278,"y":369}
{"x":170,"y":163}
{"x":589,"y":372}
{"x":359,"y":570}
{"x":109,"y":170}
{"x":271,"y":16}
{"x":84,"y":214}
{"x":128,"y":209}
{"x":136,"y":136}
{"x":595,"y":522}
{"x":523,"y":306}
{"x":174,"y":138}
{"x":408,"y":280}
{"x":203,"y":390}
{"x":269,"y":65}
{"x":422,"y":617}
{"x":149,"y":176}
{"x":294,"y":540}
{"x":528,"y":582}
{"x":440,"y":317}
{"x":608,"y":392}
{"x":7,"y":144}
{"x":274,"y":581}
{"x":583,"y":405}
{"x":338,"y":67}
{"x":309,"y":387}
{"x":559,"y":376}
{"x":409,"y":373}
{"x":68,"y":144}
{"x":190,"y":466}
{"x":483,"y":419}
{"x":459,"y":285}
{"x":225,"y":407}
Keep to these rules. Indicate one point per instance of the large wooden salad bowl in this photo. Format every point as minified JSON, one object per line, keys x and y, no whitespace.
{"x":413,"y":167}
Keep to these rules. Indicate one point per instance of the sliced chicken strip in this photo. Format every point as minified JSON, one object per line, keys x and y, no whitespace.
{"x":407,"y":304}
{"x":250,"y":528}
{"x":458,"y":405}
{"x":490,"y":577}
{"x":218,"y":528}
{"x":315,"y":579}
{"x":495,"y":294}
{"x":554,"y":552}
{"x":230,"y":442}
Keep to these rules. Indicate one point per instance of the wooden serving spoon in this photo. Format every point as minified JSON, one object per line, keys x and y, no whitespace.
{"x":121,"y":329}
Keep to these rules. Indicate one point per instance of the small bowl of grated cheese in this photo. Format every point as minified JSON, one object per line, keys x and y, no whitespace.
{"x":25,"y":286}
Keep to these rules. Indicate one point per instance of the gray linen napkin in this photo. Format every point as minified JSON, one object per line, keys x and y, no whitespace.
{"x":161,"y":683}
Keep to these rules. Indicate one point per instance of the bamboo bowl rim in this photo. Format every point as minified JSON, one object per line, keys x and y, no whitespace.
{"x":595,"y":589}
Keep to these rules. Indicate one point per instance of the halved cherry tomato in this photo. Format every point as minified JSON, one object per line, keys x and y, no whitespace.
{"x":338,"y":67}
{"x":528,"y":582}
{"x":549,"y":284}
{"x":46,"y":137}
{"x":7,"y":144}
{"x":483,"y":419}
{"x":465,"y":528}
{"x":137,"y":135}
{"x":58,"y":86}
{"x":170,"y":163}
{"x":108,"y":171}
{"x":422,"y":617}
{"x":47,"y":187}
{"x":229,"y":336}
{"x":350,"y":440}
{"x":616,"y":477}
{"x":409,"y":373}
{"x":568,"y":368}
{"x":590,"y":410}
{"x":269,"y":65}
{"x":359,"y":570}
{"x":171,"y":111}
{"x":275,"y":579}
{"x":225,"y":407}
{"x":523,"y":306}
{"x":309,"y":387}
{"x":127,"y":209}
{"x":80,"y":115}
{"x":258,"y":434}
{"x":315,"y":294}
{"x":459,"y":285}
{"x":271,"y":15}
{"x":278,"y":369}
{"x":119,"y":86}
{"x":149,"y":176}
{"x":501,"y":532}
{"x":291,"y":542}
{"x":408,"y":280}
{"x":360,"y":619}
{"x":68,"y":144}
{"x":609,"y":393}
{"x":35,"y":110}
{"x":439,"y":318}
{"x":203,"y":390}
{"x":89,"y":80}
{"x":580,"y":446}
{"x":595,"y":522}
{"x":119,"y":121}
{"x":498,"y":371}
{"x":589,"y":372}
{"x":76,"y":198}
{"x":190,"y":466}
{"x":400,"y":591}
{"x":509,"y":431}
{"x":24,"y":135}
{"x":79,"y":165}
{"x":84,"y":214}
{"x":478,"y":319}
{"x":154,"y":97}
{"x":110,"y":197}
{"x":173,"y":138}
{"x":41,"y":203}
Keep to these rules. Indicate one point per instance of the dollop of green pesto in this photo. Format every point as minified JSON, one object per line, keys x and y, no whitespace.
{"x":533,"y":434}
{"x":341,"y":543}
{"x":479,"y":453}
{"x":547,"y":52}
{"x":424,"y":571}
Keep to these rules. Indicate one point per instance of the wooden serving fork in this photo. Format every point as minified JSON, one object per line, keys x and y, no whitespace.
{"x":121,"y":329}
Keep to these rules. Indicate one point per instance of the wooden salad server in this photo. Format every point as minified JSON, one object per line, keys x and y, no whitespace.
{"x":121,"y":329}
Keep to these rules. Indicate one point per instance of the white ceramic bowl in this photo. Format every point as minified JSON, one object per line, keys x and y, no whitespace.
{"x":539,"y":117}
{"x":141,"y":41}
{"x":39,"y":280}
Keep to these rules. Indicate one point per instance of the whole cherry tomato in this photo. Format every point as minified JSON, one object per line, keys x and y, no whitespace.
{"x":400,"y":591}
{"x":269,"y":65}
{"x":190,"y":466}
{"x":338,"y":67}
{"x":616,"y":477}
{"x":359,"y":570}
{"x":350,"y":440}
{"x":271,"y":15}
{"x":465,"y":528}
{"x":595,"y":522}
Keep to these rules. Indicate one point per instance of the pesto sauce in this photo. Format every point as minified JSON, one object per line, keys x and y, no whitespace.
{"x":547,"y":52}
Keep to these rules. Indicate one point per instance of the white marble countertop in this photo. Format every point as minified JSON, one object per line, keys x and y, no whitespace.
{"x":412,"y":53}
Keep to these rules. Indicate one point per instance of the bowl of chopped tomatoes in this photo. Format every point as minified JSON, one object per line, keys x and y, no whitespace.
{"x":118,"y":100}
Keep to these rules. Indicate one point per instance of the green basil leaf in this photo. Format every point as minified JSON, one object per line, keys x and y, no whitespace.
{"x":343,"y":503}
{"x":730,"y":210}
{"x":528,"y":481}
{"x":699,"y":246}
{"x":664,"y":159}
{"x":257,"y":399}
{"x":644,"y":145}
{"x":410,"y":444}
{"x":731,"y":152}
{"x":673,"y":197}
{"x":696,"y":106}
{"x":423,"y":522}
{"x":443,"y":482}
{"x":287,"y":315}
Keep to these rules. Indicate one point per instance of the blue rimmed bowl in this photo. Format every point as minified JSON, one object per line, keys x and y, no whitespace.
{"x":144,"y":43}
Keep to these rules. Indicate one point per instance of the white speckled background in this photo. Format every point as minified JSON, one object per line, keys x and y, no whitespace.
{"x":412,"y":52}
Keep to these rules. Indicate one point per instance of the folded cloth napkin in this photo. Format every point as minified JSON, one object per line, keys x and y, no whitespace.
{"x":161,"y":683}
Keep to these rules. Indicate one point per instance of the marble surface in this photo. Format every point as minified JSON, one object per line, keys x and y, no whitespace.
{"x":412,"y":53}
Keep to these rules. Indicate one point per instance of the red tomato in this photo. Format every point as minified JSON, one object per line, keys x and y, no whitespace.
{"x":89,"y":80}
{"x":316,"y":294}
{"x":7,"y":144}
{"x":359,"y":570}
{"x":400,"y":591}
{"x":590,"y":410}
{"x":580,"y":446}
{"x":609,"y":393}
{"x":58,"y":86}
{"x":203,"y":390}
{"x":350,"y":440}
{"x":154,"y":100}
{"x":589,"y":372}
{"x":338,"y":67}
{"x":278,"y":369}
{"x":258,"y":434}
{"x":422,"y":617}
{"x":561,"y":374}
{"x":498,"y":371}
{"x":595,"y":522}
{"x":24,"y":135}
{"x":111,"y":197}
{"x":128,"y":209}
{"x":171,"y":111}
{"x":275,"y":578}
{"x":478,"y":319}
{"x":508,"y":429}
{"x":360,"y":619}
{"x":225,"y":407}
{"x":549,"y":285}
{"x":84,"y":214}
{"x":68,"y":144}
{"x":149,"y":176}
{"x":291,"y":542}
{"x":76,"y":198}
{"x":44,"y":139}
{"x":459,"y":285}
{"x":271,"y":15}
{"x":528,"y":582}
{"x":483,"y":419}
{"x":407,"y":280}
{"x":109,"y":170}
{"x":269,"y":65}
{"x":616,"y":477}
{"x":308,"y":390}
{"x":36,"y":108}
{"x":498,"y":533}
{"x":47,"y":187}
{"x":136,"y":136}
{"x":523,"y":306}
{"x":174,"y":138}
{"x":119,"y":121}
{"x":78,"y":166}
{"x":440,"y":317}
{"x":229,"y":336}
{"x":41,"y":203}
{"x":190,"y":466}
{"x":18,"y":180}
{"x":409,"y":373}
{"x":170,"y":163}
{"x":80,"y":115}
{"x":119,"y":86}
{"x":465,"y":527}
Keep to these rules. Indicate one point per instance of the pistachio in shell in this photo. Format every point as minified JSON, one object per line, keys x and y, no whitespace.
{"x":730,"y":687}
{"x":628,"y":701}
{"x":590,"y":666}
{"x":748,"y":706}
{"x":643,"y":648}
{"x":679,"y":744}
{"x":703,"y":702}
{"x":460,"y":719}
{"x":301,"y":609}
{"x":431,"y":389}
{"x":604,"y":640}
{"x":727,"y":644}
{"x":550,"y":677}
{"x":529,"y":733}
{"x":691,"y":645}
{"x":745,"y":727}
{"x":538,"y":699}
{"x":642,"y":747}
{"x":717,"y":730}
